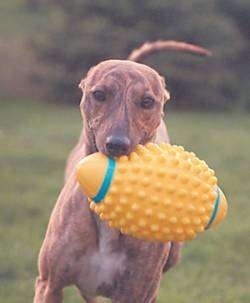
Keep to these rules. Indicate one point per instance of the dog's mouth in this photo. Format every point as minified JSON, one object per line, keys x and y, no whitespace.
{"x":96,"y":149}
{"x":113,"y":153}
{"x":118,"y":146}
{"x":116,"y":154}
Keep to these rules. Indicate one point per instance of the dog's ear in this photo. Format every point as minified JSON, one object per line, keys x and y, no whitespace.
{"x":166,"y":92}
{"x":166,"y":95}
{"x":81,"y":85}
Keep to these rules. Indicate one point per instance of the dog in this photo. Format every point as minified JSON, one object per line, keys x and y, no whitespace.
{"x":122,"y":106}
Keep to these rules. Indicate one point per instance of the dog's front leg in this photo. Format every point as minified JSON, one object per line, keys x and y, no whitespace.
{"x":152,"y":300}
{"x":44,"y":293}
{"x":69,"y":241}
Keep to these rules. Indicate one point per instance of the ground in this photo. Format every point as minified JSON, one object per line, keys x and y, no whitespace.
{"x":35,"y":139}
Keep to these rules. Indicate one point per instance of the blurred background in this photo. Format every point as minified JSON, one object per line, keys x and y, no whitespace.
{"x":46,"y":47}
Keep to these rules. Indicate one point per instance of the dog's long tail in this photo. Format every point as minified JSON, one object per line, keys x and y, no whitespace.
{"x":149,"y":48}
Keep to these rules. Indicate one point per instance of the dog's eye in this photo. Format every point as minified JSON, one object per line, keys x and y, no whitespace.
{"x":147,"y":103}
{"x":99,"y":95}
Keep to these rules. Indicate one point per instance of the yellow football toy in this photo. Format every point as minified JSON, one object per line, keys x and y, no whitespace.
{"x":158,"y":192}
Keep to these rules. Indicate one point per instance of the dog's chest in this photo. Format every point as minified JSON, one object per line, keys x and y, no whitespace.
{"x":105,"y":264}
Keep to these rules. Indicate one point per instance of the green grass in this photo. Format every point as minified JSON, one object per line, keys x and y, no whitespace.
{"x":34,"y":142}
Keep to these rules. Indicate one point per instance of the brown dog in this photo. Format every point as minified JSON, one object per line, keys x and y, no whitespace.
{"x":122,"y":106}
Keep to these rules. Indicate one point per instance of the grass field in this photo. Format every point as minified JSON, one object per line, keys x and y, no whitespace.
{"x":34,"y":142}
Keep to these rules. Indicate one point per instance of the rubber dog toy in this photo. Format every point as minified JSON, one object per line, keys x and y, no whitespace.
{"x":158,"y":192}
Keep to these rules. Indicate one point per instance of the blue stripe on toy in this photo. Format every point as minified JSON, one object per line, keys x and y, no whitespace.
{"x":106,"y":182}
{"x":215,"y":210}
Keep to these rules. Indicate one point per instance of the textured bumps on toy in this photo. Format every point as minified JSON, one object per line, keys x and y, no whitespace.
{"x":158,"y":192}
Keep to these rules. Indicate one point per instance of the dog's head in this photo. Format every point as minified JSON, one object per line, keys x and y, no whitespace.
{"x":122,"y":105}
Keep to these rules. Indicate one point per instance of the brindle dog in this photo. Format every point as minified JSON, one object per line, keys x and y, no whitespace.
{"x":122,"y":106}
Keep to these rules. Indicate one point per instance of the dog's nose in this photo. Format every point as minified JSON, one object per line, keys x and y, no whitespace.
{"x":117,"y":146}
